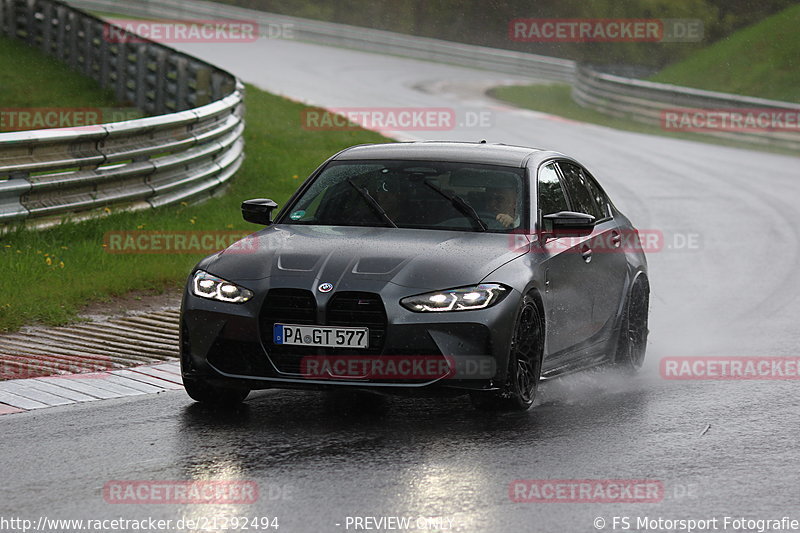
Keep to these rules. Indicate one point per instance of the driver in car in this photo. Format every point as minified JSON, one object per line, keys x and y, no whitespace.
{"x":503,"y":201}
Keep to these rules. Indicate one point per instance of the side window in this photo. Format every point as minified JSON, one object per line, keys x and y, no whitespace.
{"x":551,"y":196}
{"x":575,"y":182}
{"x":599,"y":197}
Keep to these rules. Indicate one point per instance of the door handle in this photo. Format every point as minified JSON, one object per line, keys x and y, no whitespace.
{"x":586,"y":253}
{"x":616,"y":239}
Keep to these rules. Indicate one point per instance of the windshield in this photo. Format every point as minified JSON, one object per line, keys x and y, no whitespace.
{"x":414,"y":194}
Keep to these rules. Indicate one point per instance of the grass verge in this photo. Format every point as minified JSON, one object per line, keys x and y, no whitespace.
{"x":556,"y":99}
{"x":49,"y":276}
{"x":760,"y":60}
{"x":32,"y":79}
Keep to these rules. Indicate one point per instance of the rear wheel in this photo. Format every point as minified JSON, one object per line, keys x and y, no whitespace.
{"x":202,"y":391}
{"x":524,"y":364}
{"x":632,"y":343}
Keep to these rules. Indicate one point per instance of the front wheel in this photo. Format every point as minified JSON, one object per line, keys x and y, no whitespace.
{"x":524,"y":364}
{"x":202,"y":391}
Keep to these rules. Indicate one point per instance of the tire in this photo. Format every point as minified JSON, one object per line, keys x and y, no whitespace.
{"x":524,"y":364}
{"x":201,"y":391}
{"x":632,"y":343}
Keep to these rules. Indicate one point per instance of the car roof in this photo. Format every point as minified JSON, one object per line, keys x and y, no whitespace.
{"x":461,"y":152}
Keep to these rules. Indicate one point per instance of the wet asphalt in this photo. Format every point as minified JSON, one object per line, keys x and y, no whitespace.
{"x":717,"y":448}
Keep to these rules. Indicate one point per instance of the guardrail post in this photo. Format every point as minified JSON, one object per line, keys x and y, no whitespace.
{"x":140,"y":96}
{"x":127,"y":56}
{"x":162,"y":83}
{"x":71,"y":41}
{"x":31,"y":23}
{"x":47,"y":27}
{"x":3,"y":17}
{"x":60,"y":41}
{"x":182,"y":83}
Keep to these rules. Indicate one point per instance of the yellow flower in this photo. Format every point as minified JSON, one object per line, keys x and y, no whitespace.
{"x":140,"y":226}
{"x":65,"y":247}
{"x":192,"y":220}
{"x":61,"y":264}
{"x":295,"y":176}
{"x":184,"y":204}
{"x":229,"y":226}
{"x":107,"y":210}
{"x":48,"y":261}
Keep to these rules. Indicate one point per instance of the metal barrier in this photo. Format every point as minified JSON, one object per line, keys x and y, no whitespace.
{"x":350,"y":36}
{"x":198,"y":147}
{"x":190,"y":149}
{"x":614,"y":95}
{"x":648,"y":102}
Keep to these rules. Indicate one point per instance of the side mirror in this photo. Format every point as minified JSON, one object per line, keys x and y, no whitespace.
{"x":258,"y":211}
{"x":568,"y":224}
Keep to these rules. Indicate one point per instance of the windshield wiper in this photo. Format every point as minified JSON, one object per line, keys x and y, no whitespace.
{"x":372,"y":203}
{"x":460,"y":204}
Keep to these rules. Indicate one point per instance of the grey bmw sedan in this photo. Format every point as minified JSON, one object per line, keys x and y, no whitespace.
{"x":421,"y":268}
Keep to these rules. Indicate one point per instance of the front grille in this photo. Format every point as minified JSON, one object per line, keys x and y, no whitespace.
{"x":346,"y":309}
{"x":292,"y":306}
{"x":358,"y":309}
{"x":288,"y":306}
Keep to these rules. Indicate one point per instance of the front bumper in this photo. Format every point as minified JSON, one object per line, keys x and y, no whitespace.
{"x":231,"y":344}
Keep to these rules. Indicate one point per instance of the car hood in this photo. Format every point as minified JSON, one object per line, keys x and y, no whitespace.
{"x":427,"y":259}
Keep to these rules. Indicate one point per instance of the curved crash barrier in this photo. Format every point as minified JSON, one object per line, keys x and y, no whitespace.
{"x":743,"y":118}
{"x":189,"y":148}
{"x":359,"y":38}
{"x":652,"y":103}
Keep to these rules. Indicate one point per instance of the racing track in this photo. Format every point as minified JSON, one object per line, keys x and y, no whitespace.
{"x":736,"y":295}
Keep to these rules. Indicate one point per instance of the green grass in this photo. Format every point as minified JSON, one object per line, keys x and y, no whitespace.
{"x":761,"y":60}
{"x":35,"y":286}
{"x":50,"y":276}
{"x":32,"y":79}
{"x":556,"y":99}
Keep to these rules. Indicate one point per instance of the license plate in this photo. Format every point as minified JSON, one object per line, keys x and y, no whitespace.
{"x":322,"y":336}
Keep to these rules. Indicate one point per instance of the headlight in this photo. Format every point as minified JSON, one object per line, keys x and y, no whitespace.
{"x":466,"y":299}
{"x":205,"y":285}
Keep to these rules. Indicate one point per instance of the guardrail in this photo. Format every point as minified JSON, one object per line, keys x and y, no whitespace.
{"x":197,"y":148}
{"x":359,"y":38}
{"x":614,"y":95}
{"x":649,"y":103}
{"x":189,"y":150}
